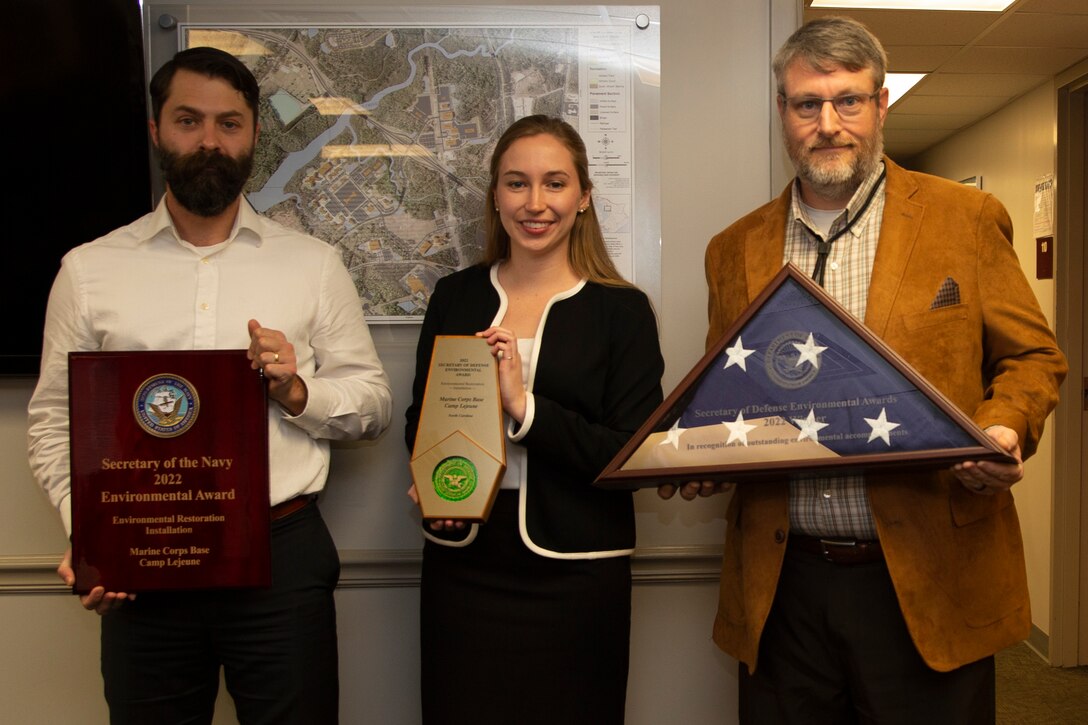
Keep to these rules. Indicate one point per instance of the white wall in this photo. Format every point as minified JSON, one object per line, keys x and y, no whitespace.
{"x":1011,"y":149}
{"x":716,"y":164}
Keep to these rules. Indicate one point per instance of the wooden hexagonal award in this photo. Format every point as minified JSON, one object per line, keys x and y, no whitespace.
{"x":797,"y":387}
{"x":460,"y":450}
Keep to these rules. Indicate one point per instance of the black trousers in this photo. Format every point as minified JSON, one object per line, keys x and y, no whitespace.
{"x":836,"y":650}
{"x":161,"y":653}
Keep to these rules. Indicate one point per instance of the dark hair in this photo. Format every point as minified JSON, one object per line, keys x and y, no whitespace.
{"x":586,"y":252}
{"x":210,"y":62}
{"x":832,"y":40}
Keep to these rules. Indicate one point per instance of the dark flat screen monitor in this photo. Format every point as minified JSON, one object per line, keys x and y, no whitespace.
{"x":76,"y":151}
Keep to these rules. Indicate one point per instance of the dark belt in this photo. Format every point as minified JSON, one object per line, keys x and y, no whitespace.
{"x":838,"y":551}
{"x":290,"y":506}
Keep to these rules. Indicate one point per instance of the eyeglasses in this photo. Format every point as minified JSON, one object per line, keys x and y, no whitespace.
{"x":849,"y":105}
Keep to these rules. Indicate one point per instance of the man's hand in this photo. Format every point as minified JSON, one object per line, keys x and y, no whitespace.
{"x":988,"y":477}
{"x":98,"y":600}
{"x":270,"y":351}
{"x":690,"y":490}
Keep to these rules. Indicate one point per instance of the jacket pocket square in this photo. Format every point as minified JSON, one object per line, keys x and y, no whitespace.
{"x":947,"y":295}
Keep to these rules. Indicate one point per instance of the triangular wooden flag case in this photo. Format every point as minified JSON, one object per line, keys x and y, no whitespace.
{"x":797,"y":387}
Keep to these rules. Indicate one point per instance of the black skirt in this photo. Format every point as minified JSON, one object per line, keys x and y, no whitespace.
{"x":509,"y":636}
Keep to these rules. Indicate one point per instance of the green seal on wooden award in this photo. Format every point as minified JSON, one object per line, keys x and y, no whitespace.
{"x":454,"y":478}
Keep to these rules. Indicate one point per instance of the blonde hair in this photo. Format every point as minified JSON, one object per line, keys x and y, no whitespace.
{"x":586,"y":252}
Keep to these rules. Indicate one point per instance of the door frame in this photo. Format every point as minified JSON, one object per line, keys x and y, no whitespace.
{"x":1068,"y":641}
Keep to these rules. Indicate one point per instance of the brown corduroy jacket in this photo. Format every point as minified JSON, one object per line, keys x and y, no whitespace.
{"x":955,"y":557}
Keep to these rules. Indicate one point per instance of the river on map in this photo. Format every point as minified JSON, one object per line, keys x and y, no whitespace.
{"x":273,"y":192}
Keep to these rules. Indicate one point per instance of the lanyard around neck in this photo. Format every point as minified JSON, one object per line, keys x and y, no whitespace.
{"x":824,"y":247}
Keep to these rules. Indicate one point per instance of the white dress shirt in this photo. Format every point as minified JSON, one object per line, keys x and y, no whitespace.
{"x":142,"y":288}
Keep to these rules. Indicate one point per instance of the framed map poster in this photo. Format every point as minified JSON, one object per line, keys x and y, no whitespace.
{"x":377,"y":125}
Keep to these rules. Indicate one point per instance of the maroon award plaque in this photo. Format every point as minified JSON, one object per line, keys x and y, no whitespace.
{"x":169,"y":465}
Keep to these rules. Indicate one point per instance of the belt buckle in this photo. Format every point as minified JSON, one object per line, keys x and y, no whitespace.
{"x":833,"y":543}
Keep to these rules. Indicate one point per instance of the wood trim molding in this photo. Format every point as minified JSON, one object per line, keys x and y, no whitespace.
{"x":30,"y":574}
{"x":391,"y":568}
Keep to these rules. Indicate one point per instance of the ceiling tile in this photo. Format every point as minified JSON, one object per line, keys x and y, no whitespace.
{"x":928,"y":122}
{"x":1040,"y":30}
{"x":979,"y":84}
{"x":1068,"y":7}
{"x":902,"y":26}
{"x":1042,"y":61}
{"x":918,"y":58}
{"x":955,"y":105}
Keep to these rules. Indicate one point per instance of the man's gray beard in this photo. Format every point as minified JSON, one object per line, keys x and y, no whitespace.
{"x":839,"y":182}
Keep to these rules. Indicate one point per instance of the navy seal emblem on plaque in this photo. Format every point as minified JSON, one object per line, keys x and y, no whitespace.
{"x":166,"y":405}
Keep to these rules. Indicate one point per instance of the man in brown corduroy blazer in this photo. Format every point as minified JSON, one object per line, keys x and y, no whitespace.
{"x":882,"y":598}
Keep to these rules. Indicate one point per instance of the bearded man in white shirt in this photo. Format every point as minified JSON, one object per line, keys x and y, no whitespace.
{"x":237,"y":280}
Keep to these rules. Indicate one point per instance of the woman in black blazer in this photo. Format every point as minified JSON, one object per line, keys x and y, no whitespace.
{"x":526,"y":619}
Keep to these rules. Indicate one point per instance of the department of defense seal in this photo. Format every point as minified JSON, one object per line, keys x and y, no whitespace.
{"x":783,"y":362}
{"x":454,"y":478}
{"x":166,"y":405}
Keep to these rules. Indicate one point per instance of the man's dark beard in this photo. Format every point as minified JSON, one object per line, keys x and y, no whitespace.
{"x":204,"y":182}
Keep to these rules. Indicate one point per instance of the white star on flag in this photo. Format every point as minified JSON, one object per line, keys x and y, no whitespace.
{"x":673,"y":436}
{"x":809,"y":426}
{"x":737,"y":354}
{"x":881,"y":427}
{"x":738,"y":430}
{"x":809,"y":351}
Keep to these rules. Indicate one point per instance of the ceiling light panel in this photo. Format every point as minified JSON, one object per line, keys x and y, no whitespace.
{"x":993,"y":6}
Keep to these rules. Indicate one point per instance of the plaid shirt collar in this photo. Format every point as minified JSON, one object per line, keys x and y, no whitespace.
{"x":798,"y":214}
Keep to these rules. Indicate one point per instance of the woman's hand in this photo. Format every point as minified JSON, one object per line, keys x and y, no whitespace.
{"x":504,"y":346}
{"x":436,"y":525}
